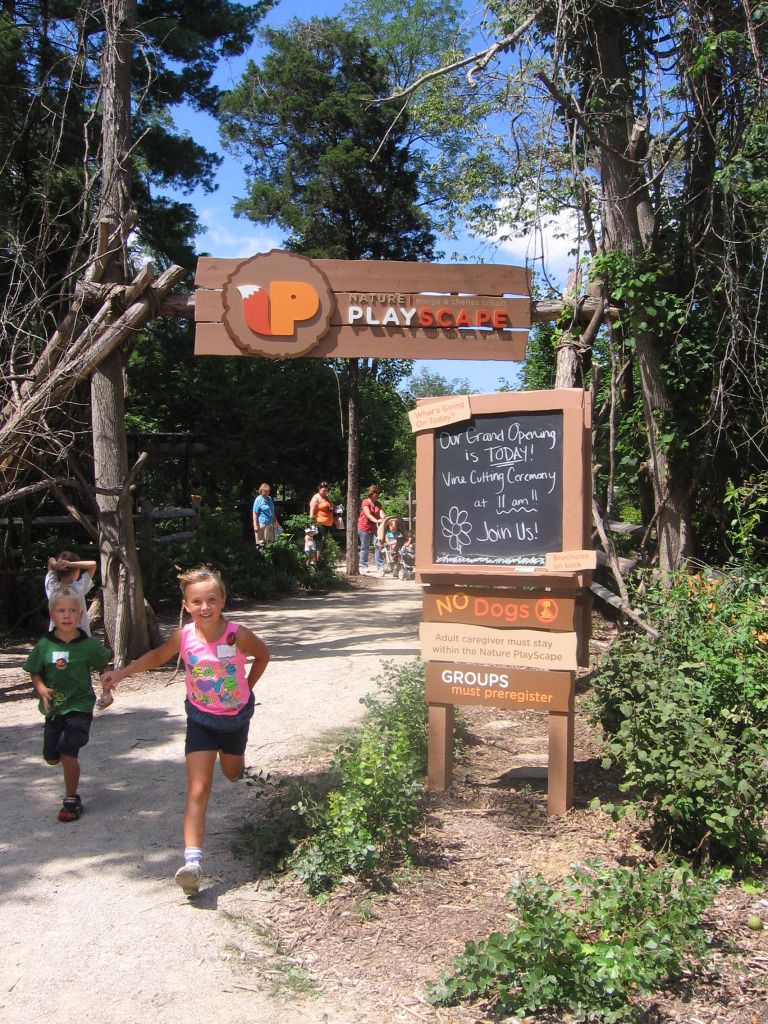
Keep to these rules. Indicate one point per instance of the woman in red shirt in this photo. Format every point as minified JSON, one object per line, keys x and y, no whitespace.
{"x":371,"y":514}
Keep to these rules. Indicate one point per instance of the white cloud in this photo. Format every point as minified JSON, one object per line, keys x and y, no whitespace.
{"x":548,"y":248}
{"x":228,"y":238}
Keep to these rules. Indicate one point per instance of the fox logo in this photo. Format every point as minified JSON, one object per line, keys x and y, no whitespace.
{"x":277,"y":304}
{"x":277,"y":311}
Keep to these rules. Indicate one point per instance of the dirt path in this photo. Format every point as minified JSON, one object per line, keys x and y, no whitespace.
{"x":93,"y":927}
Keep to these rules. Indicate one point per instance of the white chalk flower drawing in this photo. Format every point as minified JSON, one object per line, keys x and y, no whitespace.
{"x":457,"y":528}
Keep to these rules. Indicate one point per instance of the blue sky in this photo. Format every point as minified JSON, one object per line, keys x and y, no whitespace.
{"x":225,"y":235}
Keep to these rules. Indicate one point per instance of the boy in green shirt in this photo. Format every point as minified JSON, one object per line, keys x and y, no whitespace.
{"x":60,"y":665}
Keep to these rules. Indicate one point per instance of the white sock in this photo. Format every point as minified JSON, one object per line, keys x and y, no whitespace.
{"x":192,"y":855}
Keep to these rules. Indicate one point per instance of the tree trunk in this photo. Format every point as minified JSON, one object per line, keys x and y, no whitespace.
{"x":628,"y":226}
{"x":125,"y":620}
{"x":353,"y":471}
{"x":670,"y":490}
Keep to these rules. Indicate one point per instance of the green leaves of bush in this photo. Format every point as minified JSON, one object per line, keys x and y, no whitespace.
{"x":248,"y":571}
{"x":363,"y":825}
{"x":686,"y":716}
{"x":589,"y":948}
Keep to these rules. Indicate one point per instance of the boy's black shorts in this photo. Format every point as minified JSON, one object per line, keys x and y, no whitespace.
{"x":66,"y":734}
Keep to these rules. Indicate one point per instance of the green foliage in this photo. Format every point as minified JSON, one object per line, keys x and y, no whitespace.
{"x":711,"y":50}
{"x":686,"y":716}
{"x":386,"y":447}
{"x":747,"y":507}
{"x":50,"y":69}
{"x":402,"y":709}
{"x":588,"y":949}
{"x":363,"y":825}
{"x":413,"y":38}
{"x":287,"y":411}
{"x":325,"y":163}
{"x":639,"y":284}
{"x":540,"y":358}
{"x":426,"y":383}
{"x":248,"y":571}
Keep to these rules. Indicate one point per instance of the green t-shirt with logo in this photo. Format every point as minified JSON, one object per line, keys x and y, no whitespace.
{"x":66,"y":668}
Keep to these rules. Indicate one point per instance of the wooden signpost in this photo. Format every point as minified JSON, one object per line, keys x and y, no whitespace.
{"x":504,"y":497}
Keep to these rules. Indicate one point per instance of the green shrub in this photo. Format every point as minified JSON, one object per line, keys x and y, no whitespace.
{"x":248,"y":571}
{"x":588,"y":949}
{"x":363,"y":825}
{"x":398,"y":706}
{"x":686,"y":716}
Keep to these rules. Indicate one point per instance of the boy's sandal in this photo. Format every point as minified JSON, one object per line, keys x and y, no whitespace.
{"x":71,"y":809}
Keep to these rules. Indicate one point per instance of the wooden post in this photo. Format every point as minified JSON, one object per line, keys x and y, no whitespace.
{"x":440,"y":748}
{"x":196,"y":502}
{"x":145,"y":528}
{"x":560,"y":773}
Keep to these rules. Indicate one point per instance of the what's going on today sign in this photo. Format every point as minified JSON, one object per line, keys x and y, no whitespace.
{"x":502,"y":487}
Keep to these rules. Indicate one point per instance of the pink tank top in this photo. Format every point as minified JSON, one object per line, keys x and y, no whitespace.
{"x":215,"y":677}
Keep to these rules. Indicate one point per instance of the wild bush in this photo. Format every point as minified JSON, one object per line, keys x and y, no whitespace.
{"x":685,"y":717}
{"x":363,"y":825}
{"x":248,"y":571}
{"x":587,"y":948}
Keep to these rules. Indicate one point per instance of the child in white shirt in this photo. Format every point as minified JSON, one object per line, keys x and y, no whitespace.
{"x":66,"y":570}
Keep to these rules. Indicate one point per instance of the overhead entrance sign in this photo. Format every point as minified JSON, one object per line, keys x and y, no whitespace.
{"x":282,"y":305}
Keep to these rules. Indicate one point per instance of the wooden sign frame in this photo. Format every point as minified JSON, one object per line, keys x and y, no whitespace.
{"x":481,"y":624}
{"x":460,"y":311}
{"x":576,"y":512}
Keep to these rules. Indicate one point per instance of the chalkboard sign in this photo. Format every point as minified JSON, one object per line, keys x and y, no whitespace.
{"x":498,"y":490}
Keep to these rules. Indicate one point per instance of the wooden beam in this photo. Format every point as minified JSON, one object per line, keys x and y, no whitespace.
{"x":377,"y":276}
{"x":183,"y":305}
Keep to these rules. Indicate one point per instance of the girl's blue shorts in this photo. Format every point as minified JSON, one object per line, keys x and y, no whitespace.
{"x":214,"y":732}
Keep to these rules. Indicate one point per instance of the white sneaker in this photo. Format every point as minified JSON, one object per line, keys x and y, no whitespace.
{"x":189,"y":877}
{"x":382,"y":573}
{"x":363,"y":569}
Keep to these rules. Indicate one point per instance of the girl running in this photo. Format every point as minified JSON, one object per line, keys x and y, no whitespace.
{"x":219,"y":701}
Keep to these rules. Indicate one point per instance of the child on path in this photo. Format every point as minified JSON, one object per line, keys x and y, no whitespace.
{"x":60,"y":665}
{"x":408,"y":555}
{"x":392,"y":535}
{"x":66,"y":570}
{"x":391,"y":539}
{"x":219,"y":701}
{"x":310,"y":545}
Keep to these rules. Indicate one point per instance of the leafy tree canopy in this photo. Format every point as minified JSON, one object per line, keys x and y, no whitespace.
{"x":323,"y":160}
